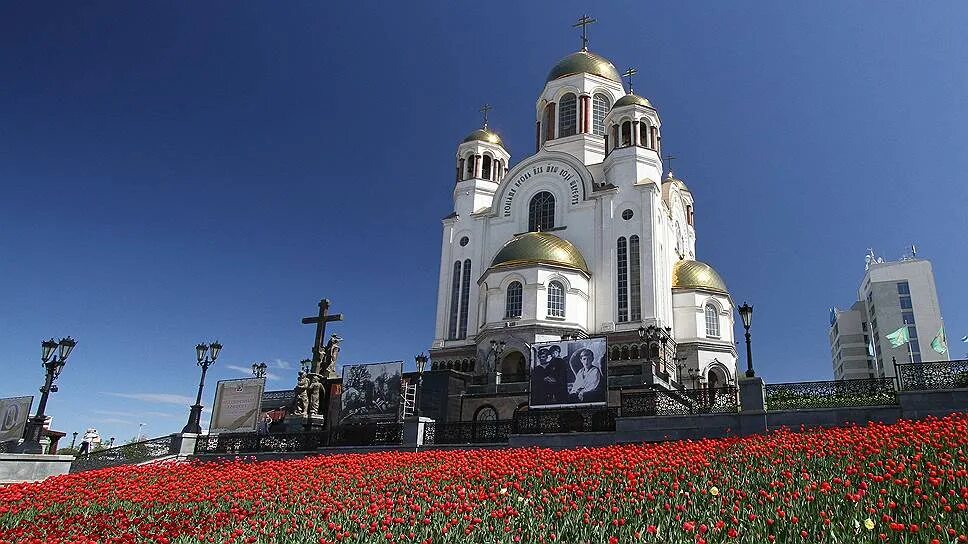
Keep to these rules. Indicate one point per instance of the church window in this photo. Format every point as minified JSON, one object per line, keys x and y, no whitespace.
{"x":654,"y":141}
{"x":470,"y":167}
{"x":567,"y":115}
{"x":464,"y":241}
{"x":465,"y":289}
{"x":600,"y":105}
{"x":635,"y":278}
{"x":644,"y":134}
{"x":549,"y":123}
{"x":626,"y":133}
{"x":556,"y":299}
{"x":486,"y":168}
{"x":689,"y":214}
{"x":623,"y":280}
{"x":454,"y":302}
{"x":460,"y":170}
{"x":627,"y":214}
{"x":513,"y":301}
{"x":712,"y":321}
{"x":485,"y":413}
{"x":541,"y":212}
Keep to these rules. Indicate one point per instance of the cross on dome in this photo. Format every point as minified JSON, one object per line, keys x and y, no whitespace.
{"x":629,"y":73}
{"x":583,"y":22}
{"x":484,"y":109}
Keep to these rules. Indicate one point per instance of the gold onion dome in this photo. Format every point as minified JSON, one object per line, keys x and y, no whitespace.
{"x":697,"y":275}
{"x":584,"y":62}
{"x":484,"y":135}
{"x":539,"y":248}
{"x":632,"y":99}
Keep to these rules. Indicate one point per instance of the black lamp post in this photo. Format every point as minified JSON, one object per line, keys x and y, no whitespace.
{"x":53,"y":364}
{"x":259,"y":370}
{"x":694,"y":376}
{"x":421,"y":361}
{"x":73,"y":439}
{"x":497,"y":348}
{"x":206,"y":355}
{"x":746,"y":313}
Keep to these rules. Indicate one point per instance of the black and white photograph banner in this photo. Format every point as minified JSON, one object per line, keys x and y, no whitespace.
{"x":371,"y":392}
{"x":569,"y":373}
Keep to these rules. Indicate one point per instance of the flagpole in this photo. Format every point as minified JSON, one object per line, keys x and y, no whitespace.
{"x":870,"y":329}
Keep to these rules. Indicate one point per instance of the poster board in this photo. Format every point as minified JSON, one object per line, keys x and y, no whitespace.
{"x":370,"y":392}
{"x":569,"y":373}
{"x":14,"y":412}
{"x":238,"y":405}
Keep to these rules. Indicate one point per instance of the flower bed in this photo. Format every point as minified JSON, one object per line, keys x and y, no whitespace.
{"x":905,"y":482}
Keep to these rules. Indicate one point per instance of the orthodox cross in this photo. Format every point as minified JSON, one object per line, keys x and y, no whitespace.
{"x":669,"y":158}
{"x":320,"y":322}
{"x":484,"y":109}
{"x":583,"y":22}
{"x":629,"y":73}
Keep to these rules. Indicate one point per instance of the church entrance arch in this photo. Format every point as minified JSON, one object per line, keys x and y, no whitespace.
{"x":513,"y":367}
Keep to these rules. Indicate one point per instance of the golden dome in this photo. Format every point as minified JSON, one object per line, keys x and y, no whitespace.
{"x":697,"y":275}
{"x":632,"y":99}
{"x":584,"y":62}
{"x":539,"y":248}
{"x":484,"y":135}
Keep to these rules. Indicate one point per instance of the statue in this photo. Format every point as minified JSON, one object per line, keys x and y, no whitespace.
{"x":301,"y":400}
{"x":315,"y":392}
{"x":331,"y":353}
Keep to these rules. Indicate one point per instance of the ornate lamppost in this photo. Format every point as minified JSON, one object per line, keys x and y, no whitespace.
{"x":206,"y":355}
{"x":497,"y":348}
{"x":259,"y":370}
{"x":73,"y":439}
{"x":53,"y":364}
{"x":421,"y":361}
{"x":746,"y":313}
{"x":655,"y":335}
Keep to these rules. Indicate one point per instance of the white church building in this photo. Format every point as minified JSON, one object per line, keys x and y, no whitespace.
{"x":585,"y":237}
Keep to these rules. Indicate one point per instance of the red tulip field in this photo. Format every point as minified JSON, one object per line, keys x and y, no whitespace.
{"x":905,"y":482}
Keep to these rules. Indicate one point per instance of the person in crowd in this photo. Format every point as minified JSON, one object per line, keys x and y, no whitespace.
{"x":588,"y":378}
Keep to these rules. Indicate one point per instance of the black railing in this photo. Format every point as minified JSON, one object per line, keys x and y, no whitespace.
{"x":467,"y":432}
{"x":564,"y":421}
{"x":831,"y":394}
{"x":365,"y":434}
{"x":128,"y":454}
{"x":933,"y":376}
{"x":655,"y":402}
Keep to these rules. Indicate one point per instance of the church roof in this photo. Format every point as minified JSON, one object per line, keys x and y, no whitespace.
{"x":697,"y":275}
{"x":670,"y":178}
{"x":540,"y":248}
{"x":632,"y":99}
{"x":484,"y":135}
{"x":584,"y":62}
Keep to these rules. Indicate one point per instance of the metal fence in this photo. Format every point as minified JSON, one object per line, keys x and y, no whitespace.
{"x":938,"y":375}
{"x":564,"y":421}
{"x":467,"y":432}
{"x":128,"y":454}
{"x":831,"y":394}
{"x":367,"y":434}
{"x":654,"y":402}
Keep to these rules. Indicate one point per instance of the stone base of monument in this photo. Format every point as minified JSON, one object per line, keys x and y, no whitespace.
{"x":314,"y":424}
{"x":413,"y":431}
{"x":29,"y":467}
{"x":301,"y":424}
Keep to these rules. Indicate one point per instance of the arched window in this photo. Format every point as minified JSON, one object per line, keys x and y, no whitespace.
{"x":454,"y":302}
{"x":498,"y":170}
{"x":568,"y":115}
{"x":626,"y":133}
{"x":600,"y":105}
{"x":485,"y":413}
{"x":621,"y":251}
{"x":644,"y":134}
{"x":549,"y":123}
{"x":470,"y":168}
{"x":486,"y":167}
{"x":465,"y":289}
{"x":712,"y":321}
{"x":635,"y":291}
{"x":556,"y":299}
{"x":460,"y":170}
{"x":513,"y":302}
{"x":541,"y":212}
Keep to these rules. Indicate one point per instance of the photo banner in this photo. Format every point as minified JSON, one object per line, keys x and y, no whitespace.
{"x":569,"y":373}
{"x":14,"y":412}
{"x":370,"y":392}
{"x":237,"y":405}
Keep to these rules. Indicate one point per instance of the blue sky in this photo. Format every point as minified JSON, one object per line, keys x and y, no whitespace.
{"x":179,"y":172}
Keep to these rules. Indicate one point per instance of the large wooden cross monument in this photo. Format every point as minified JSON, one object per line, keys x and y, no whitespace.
{"x":320,"y":321}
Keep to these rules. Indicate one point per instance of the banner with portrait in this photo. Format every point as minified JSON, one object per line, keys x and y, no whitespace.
{"x":370,"y":392}
{"x":14,"y":412}
{"x":569,"y":373}
{"x":238,"y":405}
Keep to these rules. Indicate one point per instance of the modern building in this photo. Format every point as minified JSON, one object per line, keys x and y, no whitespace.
{"x":584,"y":237}
{"x":892,"y":295}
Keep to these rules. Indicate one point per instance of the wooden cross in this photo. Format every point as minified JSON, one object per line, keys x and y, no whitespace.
{"x":320,"y":322}
{"x":669,"y":158}
{"x":629,"y":73}
{"x":583,"y":22}
{"x":484,"y":109}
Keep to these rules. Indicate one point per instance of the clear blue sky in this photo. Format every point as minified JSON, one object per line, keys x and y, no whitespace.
{"x":180,"y":172}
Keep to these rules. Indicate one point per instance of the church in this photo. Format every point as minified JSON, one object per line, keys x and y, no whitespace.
{"x":585,"y":237}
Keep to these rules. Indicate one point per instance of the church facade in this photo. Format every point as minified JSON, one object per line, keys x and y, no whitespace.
{"x":585,"y":237}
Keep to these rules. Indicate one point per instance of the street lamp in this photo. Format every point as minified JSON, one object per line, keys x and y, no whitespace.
{"x":53,"y":364}
{"x":694,"y":376}
{"x":206,"y":355}
{"x":73,"y":439}
{"x":746,"y":313}
{"x":259,"y":370}
{"x":497,"y":348}
{"x":421,"y":361}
